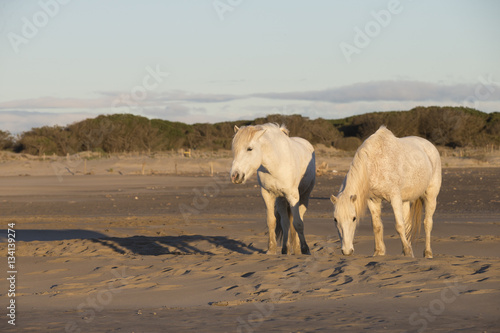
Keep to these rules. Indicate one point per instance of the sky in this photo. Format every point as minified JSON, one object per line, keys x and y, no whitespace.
{"x":62,"y":61}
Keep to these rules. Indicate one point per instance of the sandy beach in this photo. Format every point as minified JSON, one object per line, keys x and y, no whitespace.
{"x":114,"y":250}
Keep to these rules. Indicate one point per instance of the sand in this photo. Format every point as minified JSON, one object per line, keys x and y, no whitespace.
{"x":126,"y":252}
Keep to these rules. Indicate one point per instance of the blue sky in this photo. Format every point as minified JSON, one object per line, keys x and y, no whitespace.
{"x":207,"y":61}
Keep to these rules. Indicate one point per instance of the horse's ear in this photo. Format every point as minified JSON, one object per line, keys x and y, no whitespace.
{"x":353,"y":197}
{"x":333,"y":199}
{"x":236,"y":129}
{"x":285,"y":130}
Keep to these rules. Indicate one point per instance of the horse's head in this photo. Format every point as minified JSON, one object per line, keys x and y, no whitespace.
{"x":247,"y":154}
{"x":344,"y":216}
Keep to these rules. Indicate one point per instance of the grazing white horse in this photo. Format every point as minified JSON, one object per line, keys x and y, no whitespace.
{"x":399,"y":170}
{"x":286,"y":172}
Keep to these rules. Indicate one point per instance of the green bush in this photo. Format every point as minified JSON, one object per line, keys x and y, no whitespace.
{"x":444,"y":126}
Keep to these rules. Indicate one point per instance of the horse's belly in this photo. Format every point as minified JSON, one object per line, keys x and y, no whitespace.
{"x":409,"y":185}
{"x":412,"y":193}
{"x":414,"y":187}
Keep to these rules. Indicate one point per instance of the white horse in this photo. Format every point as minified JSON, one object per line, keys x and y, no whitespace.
{"x":286,"y":172}
{"x":399,"y":170}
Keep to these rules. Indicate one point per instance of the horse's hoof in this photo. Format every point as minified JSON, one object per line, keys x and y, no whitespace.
{"x":409,"y":254}
{"x":378,"y":253}
{"x":271,"y":252}
{"x":305,"y":250}
{"x":428,"y":254}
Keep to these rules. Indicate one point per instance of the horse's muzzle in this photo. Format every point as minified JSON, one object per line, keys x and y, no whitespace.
{"x":236,"y":178}
{"x":347,"y":252}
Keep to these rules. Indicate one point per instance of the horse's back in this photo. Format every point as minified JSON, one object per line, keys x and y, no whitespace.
{"x":434,"y":159}
{"x":408,"y":165}
{"x":423,"y":161}
{"x":427,"y":148}
{"x":412,"y":150}
{"x":303,"y":143}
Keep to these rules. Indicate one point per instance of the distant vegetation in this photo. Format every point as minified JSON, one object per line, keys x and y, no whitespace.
{"x":444,"y":126}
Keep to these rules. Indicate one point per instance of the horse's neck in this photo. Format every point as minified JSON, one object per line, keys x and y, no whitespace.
{"x":357,"y":180}
{"x":350,"y":183}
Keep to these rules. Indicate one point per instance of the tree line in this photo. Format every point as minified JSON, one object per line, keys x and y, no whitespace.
{"x":444,"y":126}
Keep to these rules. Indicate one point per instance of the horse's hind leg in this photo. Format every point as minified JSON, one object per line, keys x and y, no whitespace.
{"x":303,"y":204}
{"x":430,"y":208}
{"x":407,"y":218}
{"x":299,"y":228}
{"x":298,"y":223}
{"x":397,"y":206}
{"x":284,"y":219}
{"x":293,"y":240}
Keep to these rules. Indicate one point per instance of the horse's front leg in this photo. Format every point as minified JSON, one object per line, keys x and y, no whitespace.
{"x":375,"y":207}
{"x":270,"y":200}
{"x":397,"y":206}
{"x":298,"y":223}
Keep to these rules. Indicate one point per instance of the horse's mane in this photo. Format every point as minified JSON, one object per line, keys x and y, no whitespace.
{"x":246,"y":133}
{"x":357,"y":182}
{"x":275,"y":126}
{"x":357,"y":179}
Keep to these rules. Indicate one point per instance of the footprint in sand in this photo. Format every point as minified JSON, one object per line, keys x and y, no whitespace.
{"x":50,"y":271}
{"x":348,"y":279}
{"x":482,"y":270}
{"x":338,"y":270}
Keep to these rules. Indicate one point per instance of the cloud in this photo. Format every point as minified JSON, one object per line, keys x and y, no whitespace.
{"x":20,"y":121}
{"x":57,"y":103}
{"x":176,"y":105}
{"x":169,"y":111}
{"x":116,"y":100}
{"x":184,"y":96}
{"x":394,"y":91}
{"x":178,"y":112}
{"x":398,"y":91}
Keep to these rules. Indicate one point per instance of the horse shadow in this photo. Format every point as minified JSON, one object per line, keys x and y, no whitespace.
{"x":30,"y":235}
{"x":176,"y":245}
{"x":140,"y":245}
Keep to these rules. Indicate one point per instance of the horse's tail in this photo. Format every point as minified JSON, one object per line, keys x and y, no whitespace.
{"x":414,"y":220}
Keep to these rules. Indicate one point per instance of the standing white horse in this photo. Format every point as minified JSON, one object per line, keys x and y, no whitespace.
{"x":399,"y":170}
{"x":286,"y":172}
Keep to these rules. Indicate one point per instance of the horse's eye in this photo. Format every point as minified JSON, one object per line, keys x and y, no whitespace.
{"x":249,"y":149}
{"x":335,"y":220}
{"x":354,"y":219}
